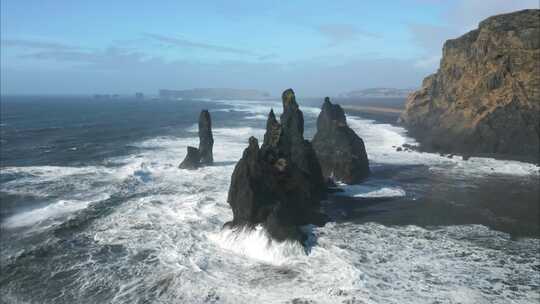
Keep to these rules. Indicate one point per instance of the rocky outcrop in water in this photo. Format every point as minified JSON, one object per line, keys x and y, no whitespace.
{"x":340,"y":151}
{"x":192,"y":160}
{"x":485,"y":97}
{"x":292,"y":144}
{"x":203,"y":155}
{"x":280,"y":184}
{"x":206,"y":140}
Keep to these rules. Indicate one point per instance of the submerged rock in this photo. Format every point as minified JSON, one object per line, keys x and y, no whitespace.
{"x":192,"y":159}
{"x":341,"y":152}
{"x":206,"y":140}
{"x":279,"y":184}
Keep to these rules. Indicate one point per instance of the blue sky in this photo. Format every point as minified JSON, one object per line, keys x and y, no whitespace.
{"x":317,"y":47}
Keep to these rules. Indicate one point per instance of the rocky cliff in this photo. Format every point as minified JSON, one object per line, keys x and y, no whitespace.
{"x":485,"y":96}
{"x":341,"y":152}
{"x":280,"y":184}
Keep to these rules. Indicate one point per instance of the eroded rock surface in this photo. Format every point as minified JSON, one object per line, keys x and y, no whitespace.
{"x":192,"y":159}
{"x":203,"y":155}
{"x":341,"y":152}
{"x":485,"y":96}
{"x":206,"y":140}
{"x":280,"y":184}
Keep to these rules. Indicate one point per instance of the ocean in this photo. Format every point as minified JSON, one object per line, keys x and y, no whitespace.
{"x":95,"y":210}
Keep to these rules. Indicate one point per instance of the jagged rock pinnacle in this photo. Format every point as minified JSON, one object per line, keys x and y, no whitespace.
{"x":340,"y":151}
{"x":206,"y":140}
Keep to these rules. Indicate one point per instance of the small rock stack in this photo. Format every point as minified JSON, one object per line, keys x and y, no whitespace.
{"x":340,"y":151}
{"x":203,"y":155}
{"x":206,"y":140}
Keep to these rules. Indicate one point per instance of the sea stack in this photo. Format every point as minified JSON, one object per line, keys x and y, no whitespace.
{"x":203,"y":155}
{"x":341,"y":152}
{"x":485,"y":96}
{"x":280,"y":184}
{"x":192,"y":160}
{"x":293,"y":144}
{"x":206,"y":140}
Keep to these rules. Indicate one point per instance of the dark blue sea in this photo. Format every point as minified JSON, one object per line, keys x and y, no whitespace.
{"x":93,"y":209}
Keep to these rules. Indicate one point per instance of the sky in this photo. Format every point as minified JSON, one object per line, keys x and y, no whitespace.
{"x":318,"y":48}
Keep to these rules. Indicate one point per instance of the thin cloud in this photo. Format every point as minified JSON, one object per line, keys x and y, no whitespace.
{"x":184,"y":43}
{"x":268,"y":57}
{"x":117,"y":70}
{"x":73,"y":56}
{"x":341,"y":33}
{"x":431,"y":37}
{"x":430,"y":62}
{"x":36,"y":44}
{"x":466,"y":14}
{"x":463,"y":16}
{"x":108,"y":59}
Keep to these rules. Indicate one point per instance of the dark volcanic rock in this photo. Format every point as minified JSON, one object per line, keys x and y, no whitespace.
{"x":273,"y":131}
{"x":206,"y":140}
{"x":300,"y":151}
{"x":485,"y":96}
{"x":192,"y":160}
{"x":279,"y":184}
{"x":203,"y":155}
{"x":341,"y":152}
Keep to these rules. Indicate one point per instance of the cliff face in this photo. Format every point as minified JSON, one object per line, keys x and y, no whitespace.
{"x":485,"y":97}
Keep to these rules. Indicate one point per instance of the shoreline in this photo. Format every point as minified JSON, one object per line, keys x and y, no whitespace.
{"x":379,"y":114}
{"x":372,"y":109}
{"x":389,"y":115}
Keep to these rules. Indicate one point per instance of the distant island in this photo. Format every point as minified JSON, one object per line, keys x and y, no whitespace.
{"x":214,"y":93}
{"x":377,"y":92}
{"x":105,"y":96}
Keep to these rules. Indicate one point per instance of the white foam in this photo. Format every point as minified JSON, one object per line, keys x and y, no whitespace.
{"x":193,"y":128}
{"x":45,"y":181}
{"x":260,"y":109}
{"x":371,"y":190}
{"x":172,"y":246}
{"x":49,"y":172}
{"x":257,"y":117}
{"x":48,"y":212}
{"x":372,"y":263}
{"x":381,"y":141}
{"x":239,"y":134}
{"x":255,"y":244}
